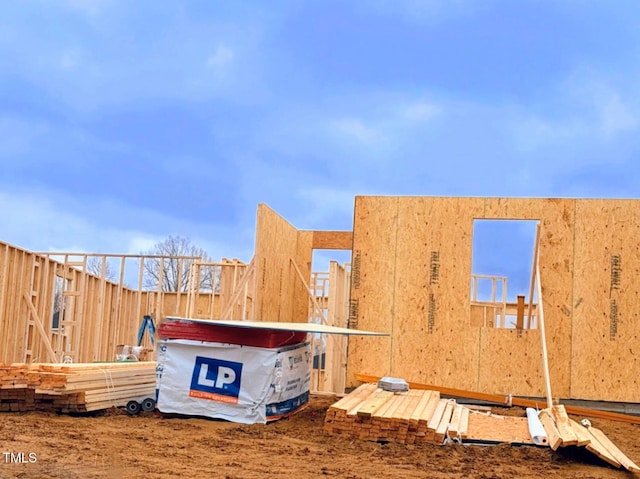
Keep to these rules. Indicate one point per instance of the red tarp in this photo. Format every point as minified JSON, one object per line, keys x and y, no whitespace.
{"x":197,"y":331}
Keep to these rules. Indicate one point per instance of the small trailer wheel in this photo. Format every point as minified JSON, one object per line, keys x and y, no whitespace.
{"x":148,"y":405}
{"x":133,"y":408}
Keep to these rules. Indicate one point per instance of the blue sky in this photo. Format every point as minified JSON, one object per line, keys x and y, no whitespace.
{"x":123,"y":122}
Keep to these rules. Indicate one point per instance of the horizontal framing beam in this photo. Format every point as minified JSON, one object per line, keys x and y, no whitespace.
{"x":332,"y":240}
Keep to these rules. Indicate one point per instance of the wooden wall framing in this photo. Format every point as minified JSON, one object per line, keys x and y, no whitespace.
{"x":98,"y":313}
{"x":411,"y":272}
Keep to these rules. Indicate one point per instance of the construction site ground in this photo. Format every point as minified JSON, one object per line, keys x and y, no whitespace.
{"x":112,"y":444}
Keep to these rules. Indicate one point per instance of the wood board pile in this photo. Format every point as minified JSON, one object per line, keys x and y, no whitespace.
{"x":415,"y":416}
{"x":562,"y":431}
{"x":70,"y":388}
{"x":422,"y":416}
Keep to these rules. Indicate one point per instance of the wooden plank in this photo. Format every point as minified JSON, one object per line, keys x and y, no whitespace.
{"x":520,"y":312}
{"x":565,"y":430}
{"x":424,"y":401}
{"x":581,"y":433}
{"x":441,"y":430}
{"x":397,"y":403}
{"x":498,"y":429}
{"x":358,"y":395}
{"x":332,"y":240}
{"x":453,"y":432}
{"x":599,"y":449}
{"x":613,"y":449}
{"x":553,"y":436}
{"x":464,"y":423}
{"x":374,"y":402}
{"x":5,"y":338}
{"x":541,"y":327}
{"x":501,"y":399}
{"x":40,"y":328}
{"x":434,"y":422}
{"x":311,"y":294}
{"x":239,"y":290}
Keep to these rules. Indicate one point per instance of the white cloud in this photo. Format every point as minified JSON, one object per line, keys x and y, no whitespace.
{"x":616,"y":116}
{"x":70,"y":59}
{"x":222,"y":56}
{"x":587,"y":110}
{"x":326,"y":202}
{"x":427,"y":12}
{"x":421,"y":111}
{"x":356,"y":129}
{"x":139,"y":243}
{"x":17,"y":136}
{"x":90,"y":8}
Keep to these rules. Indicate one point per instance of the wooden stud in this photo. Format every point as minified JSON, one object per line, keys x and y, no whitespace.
{"x":553,"y":436}
{"x":40,"y":328}
{"x":617,"y":454}
{"x":563,"y":425}
{"x":600,"y":450}
{"x":520,"y":313}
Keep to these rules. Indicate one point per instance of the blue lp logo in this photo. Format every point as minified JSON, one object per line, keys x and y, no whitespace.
{"x":216,"y":380}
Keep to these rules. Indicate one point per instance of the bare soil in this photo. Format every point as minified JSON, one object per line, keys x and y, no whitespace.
{"x":114,"y":445}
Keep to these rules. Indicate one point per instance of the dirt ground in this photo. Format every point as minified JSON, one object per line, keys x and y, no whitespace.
{"x":114,"y":445}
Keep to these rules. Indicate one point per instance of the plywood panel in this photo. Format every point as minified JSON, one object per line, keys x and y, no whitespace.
{"x":510,"y":363}
{"x":332,"y":239}
{"x":432,"y":341}
{"x":280,"y":295}
{"x":606,"y":341}
{"x":372,"y":284}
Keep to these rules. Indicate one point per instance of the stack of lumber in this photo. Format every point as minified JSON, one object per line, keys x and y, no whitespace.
{"x":74,"y":387}
{"x":421,"y":416}
{"x":412,"y":417}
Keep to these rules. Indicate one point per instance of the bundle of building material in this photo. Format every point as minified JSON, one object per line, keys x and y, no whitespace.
{"x":414,"y":416}
{"x":419,"y":416}
{"x":75,"y":387}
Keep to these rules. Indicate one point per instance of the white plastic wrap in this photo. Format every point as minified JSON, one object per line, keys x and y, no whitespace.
{"x":536,"y":429}
{"x":227,"y":381}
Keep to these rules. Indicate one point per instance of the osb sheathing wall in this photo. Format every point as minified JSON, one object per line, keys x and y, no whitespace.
{"x":281,"y":294}
{"x":411,"y":278}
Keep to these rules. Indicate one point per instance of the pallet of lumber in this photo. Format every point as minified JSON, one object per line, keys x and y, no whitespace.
{"x":71,"y":388}
{"x":370,"y":413}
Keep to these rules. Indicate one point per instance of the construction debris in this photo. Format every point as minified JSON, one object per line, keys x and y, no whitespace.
{"x":75,"y":388}
{"x":422,"y":416}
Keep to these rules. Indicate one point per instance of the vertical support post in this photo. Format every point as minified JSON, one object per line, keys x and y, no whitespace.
{"x":545,"y":359}
{"x":534,"y":267}
{"x":139,"y":292}
{"x":520,"y":312}
{"x":176,"y":310}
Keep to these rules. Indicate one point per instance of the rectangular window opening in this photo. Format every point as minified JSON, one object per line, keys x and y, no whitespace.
{"x":501,"y":274}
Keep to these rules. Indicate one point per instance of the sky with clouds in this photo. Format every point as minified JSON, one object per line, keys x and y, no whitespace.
{"x":124,"y":122}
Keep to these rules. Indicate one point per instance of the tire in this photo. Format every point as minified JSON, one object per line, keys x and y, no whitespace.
{"x":133,"y":408}
{"x":148,"y":405}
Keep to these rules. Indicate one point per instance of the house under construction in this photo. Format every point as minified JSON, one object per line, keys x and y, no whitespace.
{"x":410,"y":276}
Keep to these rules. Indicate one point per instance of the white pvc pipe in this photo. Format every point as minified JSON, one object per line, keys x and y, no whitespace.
{"x":536,"y":430}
